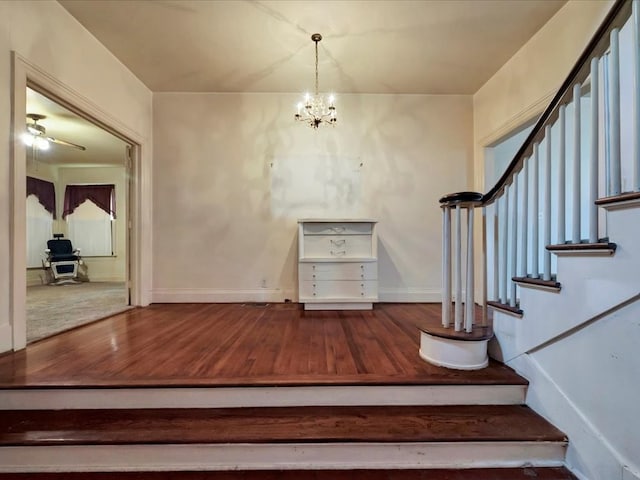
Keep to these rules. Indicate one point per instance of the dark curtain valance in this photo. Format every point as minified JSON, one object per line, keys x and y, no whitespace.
{"x":102,"y":195}
{"x":44,"y":191}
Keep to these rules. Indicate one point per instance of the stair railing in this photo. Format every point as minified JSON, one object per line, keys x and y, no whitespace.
{"x":572,"y":157}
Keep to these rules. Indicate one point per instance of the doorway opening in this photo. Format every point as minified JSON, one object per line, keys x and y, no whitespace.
{"x":78,"y":184}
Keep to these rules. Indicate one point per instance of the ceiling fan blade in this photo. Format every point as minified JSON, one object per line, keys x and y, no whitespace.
{"x":66,"y":144}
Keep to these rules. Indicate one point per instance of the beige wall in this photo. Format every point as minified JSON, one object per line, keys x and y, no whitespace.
{"x":523,"y":87}
{"x":234,"y":172}
{"x":48,"y":38}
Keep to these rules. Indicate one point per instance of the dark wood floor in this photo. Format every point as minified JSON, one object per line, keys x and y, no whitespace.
{"x":528,"y":473}
{"x":234,"y":344}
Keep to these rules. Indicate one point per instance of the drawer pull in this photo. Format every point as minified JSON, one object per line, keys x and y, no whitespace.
{"x":339,"y":253}
{"x":338,"y":229}
{"x":338,"y":243}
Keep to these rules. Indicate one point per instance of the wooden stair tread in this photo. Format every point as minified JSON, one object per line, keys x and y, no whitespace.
{"x":276,"y":425}
{"x":528,"y":473}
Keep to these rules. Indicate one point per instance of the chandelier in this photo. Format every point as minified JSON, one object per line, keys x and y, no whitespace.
{"x":315,"y":110}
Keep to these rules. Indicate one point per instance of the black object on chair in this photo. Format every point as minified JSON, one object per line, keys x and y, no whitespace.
{"x":62,"y":259}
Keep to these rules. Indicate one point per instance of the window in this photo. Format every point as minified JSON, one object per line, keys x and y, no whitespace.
{"x":41,"y":201}
{"x":39,"y":230}
{"x":90,"y":211}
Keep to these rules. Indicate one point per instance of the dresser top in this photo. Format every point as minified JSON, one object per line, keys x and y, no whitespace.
{"x":336,"y":220}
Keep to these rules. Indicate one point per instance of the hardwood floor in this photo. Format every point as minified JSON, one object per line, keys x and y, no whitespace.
{"x":235,"y":344}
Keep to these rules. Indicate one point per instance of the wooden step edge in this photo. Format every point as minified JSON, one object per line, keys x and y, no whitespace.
{"x":582,"y":249}
{"x":523,"y":473}
{"x":548,"y":285}
{"x":337,"y":456}
{"x":277,"y":425}
{"x":619,"y":202}
{"x":506,"y":308}
{"x":478,"y":333}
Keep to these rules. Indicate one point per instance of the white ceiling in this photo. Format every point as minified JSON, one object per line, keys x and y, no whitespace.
{"x":102,"y":148}
{"x":369,"y":46}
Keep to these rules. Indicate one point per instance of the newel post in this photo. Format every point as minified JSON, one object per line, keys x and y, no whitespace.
{"x":460,"y":306}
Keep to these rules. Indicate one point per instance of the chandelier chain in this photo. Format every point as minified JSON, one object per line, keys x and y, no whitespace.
{"x":316,"y":67}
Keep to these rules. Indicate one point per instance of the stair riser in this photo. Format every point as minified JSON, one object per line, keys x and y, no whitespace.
{"x":304,"y":456}
{"x":81,"y":398}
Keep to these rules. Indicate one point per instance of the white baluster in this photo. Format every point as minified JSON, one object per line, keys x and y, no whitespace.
{"x":496,"y":253}
{"x":446,"y":267}
{"x":546,"y":209}
{"x":504,"y":235}
{"x":535,"y":190}
{"x":513,"y":241}
{"x":593,"y":164}
{"x":469,"y":303}
{"x":458,"y":247}
{"x":575,"y":214}
{"x":636,"y":89}
{"x":561,"y":176}
{"x":614,"y":107}
{"x":524,"y":218}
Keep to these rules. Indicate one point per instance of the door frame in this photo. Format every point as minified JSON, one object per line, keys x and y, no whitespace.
{"x":26,"y":74}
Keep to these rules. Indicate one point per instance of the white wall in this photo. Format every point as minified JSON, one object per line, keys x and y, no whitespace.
{"x":47,"y":37}
{"x":233,"y":173}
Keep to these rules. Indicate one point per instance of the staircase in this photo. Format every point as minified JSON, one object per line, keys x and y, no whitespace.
{"x":560,"y":258}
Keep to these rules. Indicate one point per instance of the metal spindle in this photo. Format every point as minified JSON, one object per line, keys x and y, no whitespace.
{"x":446,"y":267}
{"x":513,"y":241}
{"x":614,"y":106}
{"x":575,"y":229}
{"x":535,"y":190}
{"x":503,"y":247}
{"x":546,"y":210}
{"x":561,"y":175}
{"x":469,"y":303}
{"x":524,"y":219}
{"x":593,"y":164}
{"x":458,"y":268}
{"x":636,"y":89}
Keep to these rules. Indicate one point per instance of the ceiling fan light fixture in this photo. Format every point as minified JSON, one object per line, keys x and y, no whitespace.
{"x":315,"y":110}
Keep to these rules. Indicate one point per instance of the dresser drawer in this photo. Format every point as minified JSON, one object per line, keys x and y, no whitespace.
{"x":354,"y":290}
{"x":337,"y":246}
{"x":347,"y":228}
{"x":338,"y":271}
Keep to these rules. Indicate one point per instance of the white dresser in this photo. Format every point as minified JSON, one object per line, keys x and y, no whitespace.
{"x":337,"y":264}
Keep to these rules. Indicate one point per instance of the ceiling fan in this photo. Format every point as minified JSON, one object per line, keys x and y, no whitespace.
{"x":36,"y":135}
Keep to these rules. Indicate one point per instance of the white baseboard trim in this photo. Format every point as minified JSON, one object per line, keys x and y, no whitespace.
{"x":409,"y":295}
{"x":210,"y":295}
{"x":308,"y":456}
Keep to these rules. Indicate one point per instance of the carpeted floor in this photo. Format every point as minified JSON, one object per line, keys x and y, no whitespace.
{"x":55,"y":308}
